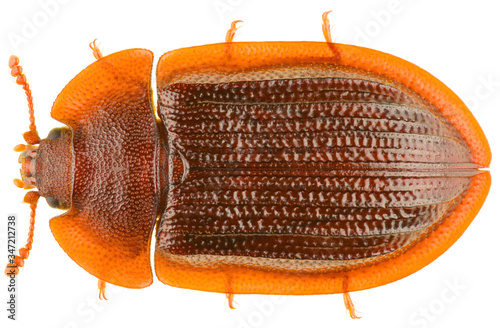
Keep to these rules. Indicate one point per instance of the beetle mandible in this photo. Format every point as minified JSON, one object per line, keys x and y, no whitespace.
{"x":287,"y":168}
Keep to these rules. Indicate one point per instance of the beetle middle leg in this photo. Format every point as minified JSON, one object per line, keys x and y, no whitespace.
{"x":232,"y":30}
{"x":229,"y":292}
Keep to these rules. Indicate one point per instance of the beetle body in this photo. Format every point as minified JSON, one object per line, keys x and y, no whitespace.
{"x":269,"y":167}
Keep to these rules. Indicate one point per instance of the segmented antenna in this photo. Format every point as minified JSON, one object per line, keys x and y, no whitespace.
{"x":31,"y":136}
{"x":31,"y":197}
{"x":17,"y":261}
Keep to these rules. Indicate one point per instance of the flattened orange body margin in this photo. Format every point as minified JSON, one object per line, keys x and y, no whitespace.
{"x":235,"y":56}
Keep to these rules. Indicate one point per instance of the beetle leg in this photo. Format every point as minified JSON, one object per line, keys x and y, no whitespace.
{"x":95,"y":50}
{"x":326,"y":27}
{"x":101,"y":284}
{"x":350,"y":306}
{"x":232,"y":30}
{"x":230,"y":300}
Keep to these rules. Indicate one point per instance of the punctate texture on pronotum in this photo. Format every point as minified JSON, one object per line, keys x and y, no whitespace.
{"x":287,"y":168}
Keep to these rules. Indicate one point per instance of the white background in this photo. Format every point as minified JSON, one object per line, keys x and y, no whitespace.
{"x":457,"y":41}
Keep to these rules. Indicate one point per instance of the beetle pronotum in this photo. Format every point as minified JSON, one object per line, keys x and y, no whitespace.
{"x":269,"y":168}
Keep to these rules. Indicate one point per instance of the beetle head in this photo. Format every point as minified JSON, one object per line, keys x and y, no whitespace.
{"x":48,"y":167}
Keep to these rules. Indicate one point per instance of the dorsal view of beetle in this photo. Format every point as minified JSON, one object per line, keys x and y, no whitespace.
{"x":289,"y":168}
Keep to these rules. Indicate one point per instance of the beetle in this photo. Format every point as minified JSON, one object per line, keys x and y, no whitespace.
{"x":289,"y":168}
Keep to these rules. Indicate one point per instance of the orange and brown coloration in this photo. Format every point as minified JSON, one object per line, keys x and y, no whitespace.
{"x":271,"y":167}
{"x":307,"y":171}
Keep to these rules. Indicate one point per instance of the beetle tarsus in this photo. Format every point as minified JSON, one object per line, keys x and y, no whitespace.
{"x":232,"y":30}
{"x":326,"y":27}
{"x":349,"y":305}
{"x":95,"y":50}
{"x":101,"y":284}
{"x":230,"y":300}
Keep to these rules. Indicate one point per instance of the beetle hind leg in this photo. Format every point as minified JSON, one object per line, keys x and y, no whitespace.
{"x":349,"y":305}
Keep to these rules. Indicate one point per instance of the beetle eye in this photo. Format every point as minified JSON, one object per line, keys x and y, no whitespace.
{"x":54,"y":133}
{"x":53,"y":202}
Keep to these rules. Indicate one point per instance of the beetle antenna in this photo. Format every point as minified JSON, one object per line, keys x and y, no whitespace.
{"x":17,"y":261}
{"x":31,"y":197}
{"x":31,"y":136}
